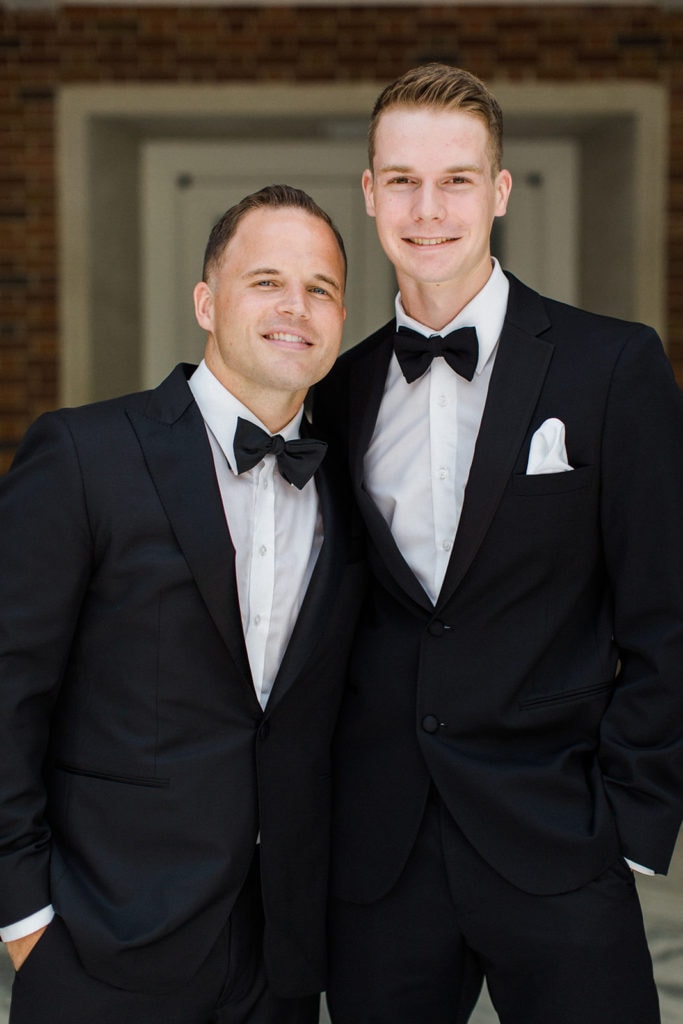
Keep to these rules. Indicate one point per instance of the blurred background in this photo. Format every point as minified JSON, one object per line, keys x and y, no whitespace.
{"x":126,"y":129}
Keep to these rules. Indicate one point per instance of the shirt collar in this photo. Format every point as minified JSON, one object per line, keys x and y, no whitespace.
{"x":486,"y":312}
{"x":220,"y":410}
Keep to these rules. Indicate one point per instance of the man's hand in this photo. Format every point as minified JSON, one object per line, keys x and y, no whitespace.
{"x":19,"y":949}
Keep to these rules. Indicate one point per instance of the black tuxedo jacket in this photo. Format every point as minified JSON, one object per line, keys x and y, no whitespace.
{"x":543,"y":694}
{"x":136,"y":765}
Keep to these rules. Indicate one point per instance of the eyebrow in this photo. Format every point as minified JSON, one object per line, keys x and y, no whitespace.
{"x":397,"y":169}
{"x":260,"y":271}
{"x":271,"y":271}
{"x":328,"y":280}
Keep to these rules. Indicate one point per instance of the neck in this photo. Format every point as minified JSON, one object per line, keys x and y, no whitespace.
{"x":273,"y":407}
{"x":273,"y":417}
{"x":435,"y":304}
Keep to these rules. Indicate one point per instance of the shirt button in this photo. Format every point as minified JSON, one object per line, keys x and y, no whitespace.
{"x":257,"y":620}
{"x":263,"y":550}
{"x":443,"y":473}
{"x":442,"y":401}
{"x":446,"y":545}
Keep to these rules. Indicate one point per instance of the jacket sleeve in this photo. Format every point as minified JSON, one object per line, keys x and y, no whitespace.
{"x":45,"y":555}
{"x":641,"y":749}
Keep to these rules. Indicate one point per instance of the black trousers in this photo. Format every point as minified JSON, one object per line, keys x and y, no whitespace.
{"x":52,"y":987}
{"x":420,"y":953}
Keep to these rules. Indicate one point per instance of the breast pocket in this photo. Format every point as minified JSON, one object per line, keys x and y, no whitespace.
{"x":552,"y":483}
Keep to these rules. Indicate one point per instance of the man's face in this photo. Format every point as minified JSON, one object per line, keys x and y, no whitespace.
{"x":274,"y":308}
{"x":434,"y":198}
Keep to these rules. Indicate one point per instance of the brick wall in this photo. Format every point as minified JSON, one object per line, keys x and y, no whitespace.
{"x":40,"y":49}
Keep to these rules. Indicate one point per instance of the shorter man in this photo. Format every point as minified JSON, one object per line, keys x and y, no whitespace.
{"x":177,"y":594}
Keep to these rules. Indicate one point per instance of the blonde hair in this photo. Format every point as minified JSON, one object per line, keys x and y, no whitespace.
{"x":442,"y":87}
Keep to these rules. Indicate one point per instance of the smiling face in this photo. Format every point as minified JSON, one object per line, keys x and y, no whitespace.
{"x":274,"y":310}
{"x":434,"y":196}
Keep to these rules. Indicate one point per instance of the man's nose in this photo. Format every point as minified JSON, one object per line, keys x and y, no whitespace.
{"x":294,"y":300}
{"x":428,"y":203}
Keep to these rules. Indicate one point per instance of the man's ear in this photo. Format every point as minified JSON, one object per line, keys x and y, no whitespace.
{"x":203,"y":305}
{"x":503,"y":187}
{"x":368,"y":183}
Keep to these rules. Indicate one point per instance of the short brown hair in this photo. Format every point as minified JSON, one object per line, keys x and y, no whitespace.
{"x":442,"y":87}
{"x":275,"y":196}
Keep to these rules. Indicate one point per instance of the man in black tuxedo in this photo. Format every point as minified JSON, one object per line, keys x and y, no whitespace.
{"x":177,"y":596}
{"x":510,"y":743}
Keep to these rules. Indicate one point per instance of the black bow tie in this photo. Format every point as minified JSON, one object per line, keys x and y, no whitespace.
{"x":297,"y":460}
{"x":414,"y":352}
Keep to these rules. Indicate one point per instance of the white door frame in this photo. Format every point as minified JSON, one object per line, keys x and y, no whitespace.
{"x":102,"y":127}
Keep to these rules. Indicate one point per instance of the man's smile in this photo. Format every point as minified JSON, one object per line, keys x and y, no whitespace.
{"x":287,"y":337}
{"x":427,"y":242}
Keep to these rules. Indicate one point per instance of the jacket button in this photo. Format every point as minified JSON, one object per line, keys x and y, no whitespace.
{"x":430,"y":723}
{"x":264,"y":731}
{"x":436,"y":628}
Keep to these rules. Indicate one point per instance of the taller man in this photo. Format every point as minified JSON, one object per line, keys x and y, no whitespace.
{"x":511,"y":731}
{"x":176,"y":595}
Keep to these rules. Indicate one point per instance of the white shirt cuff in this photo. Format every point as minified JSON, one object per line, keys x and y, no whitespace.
{"x":27,"y":925}
{"x":638,"y":867}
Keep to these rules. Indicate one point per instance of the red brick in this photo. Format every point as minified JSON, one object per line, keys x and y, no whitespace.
{"x":40,"y":50}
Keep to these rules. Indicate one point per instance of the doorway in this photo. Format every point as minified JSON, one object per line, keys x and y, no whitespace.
{"x":617,"y":132}
{"x":186,"y":187}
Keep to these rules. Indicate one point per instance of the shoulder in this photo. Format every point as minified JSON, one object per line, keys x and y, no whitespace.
{"x":173,"y":389}
{"x":96,"y":426}
{"x":369,"y":345}
{"x":354,"y":370}
{"x":363,"y":352}
{"x":578,"y":330}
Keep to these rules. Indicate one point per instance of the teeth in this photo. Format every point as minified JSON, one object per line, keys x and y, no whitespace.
{"x":429,"y":241}
{"x":283,"y":336}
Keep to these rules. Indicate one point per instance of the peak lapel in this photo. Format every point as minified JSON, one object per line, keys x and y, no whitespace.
{"x":366,"y":388}
{"x":173,"y":439}
{"x":316,"y":606}
{"x":521,"y":365}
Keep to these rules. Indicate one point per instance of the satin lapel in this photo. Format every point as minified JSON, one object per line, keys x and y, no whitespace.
{"x":366,"y":388}
{"x":173,"y":439}
{"x":521,"y":365}
{"x":316,"y":606}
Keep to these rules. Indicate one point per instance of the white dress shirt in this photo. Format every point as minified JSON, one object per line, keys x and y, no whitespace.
{"x":277,"y":533}
{"x":276,"y":530}
{"x":440,"y":413}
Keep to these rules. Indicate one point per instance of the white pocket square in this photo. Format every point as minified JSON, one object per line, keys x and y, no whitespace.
{"x":548,"y":453}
